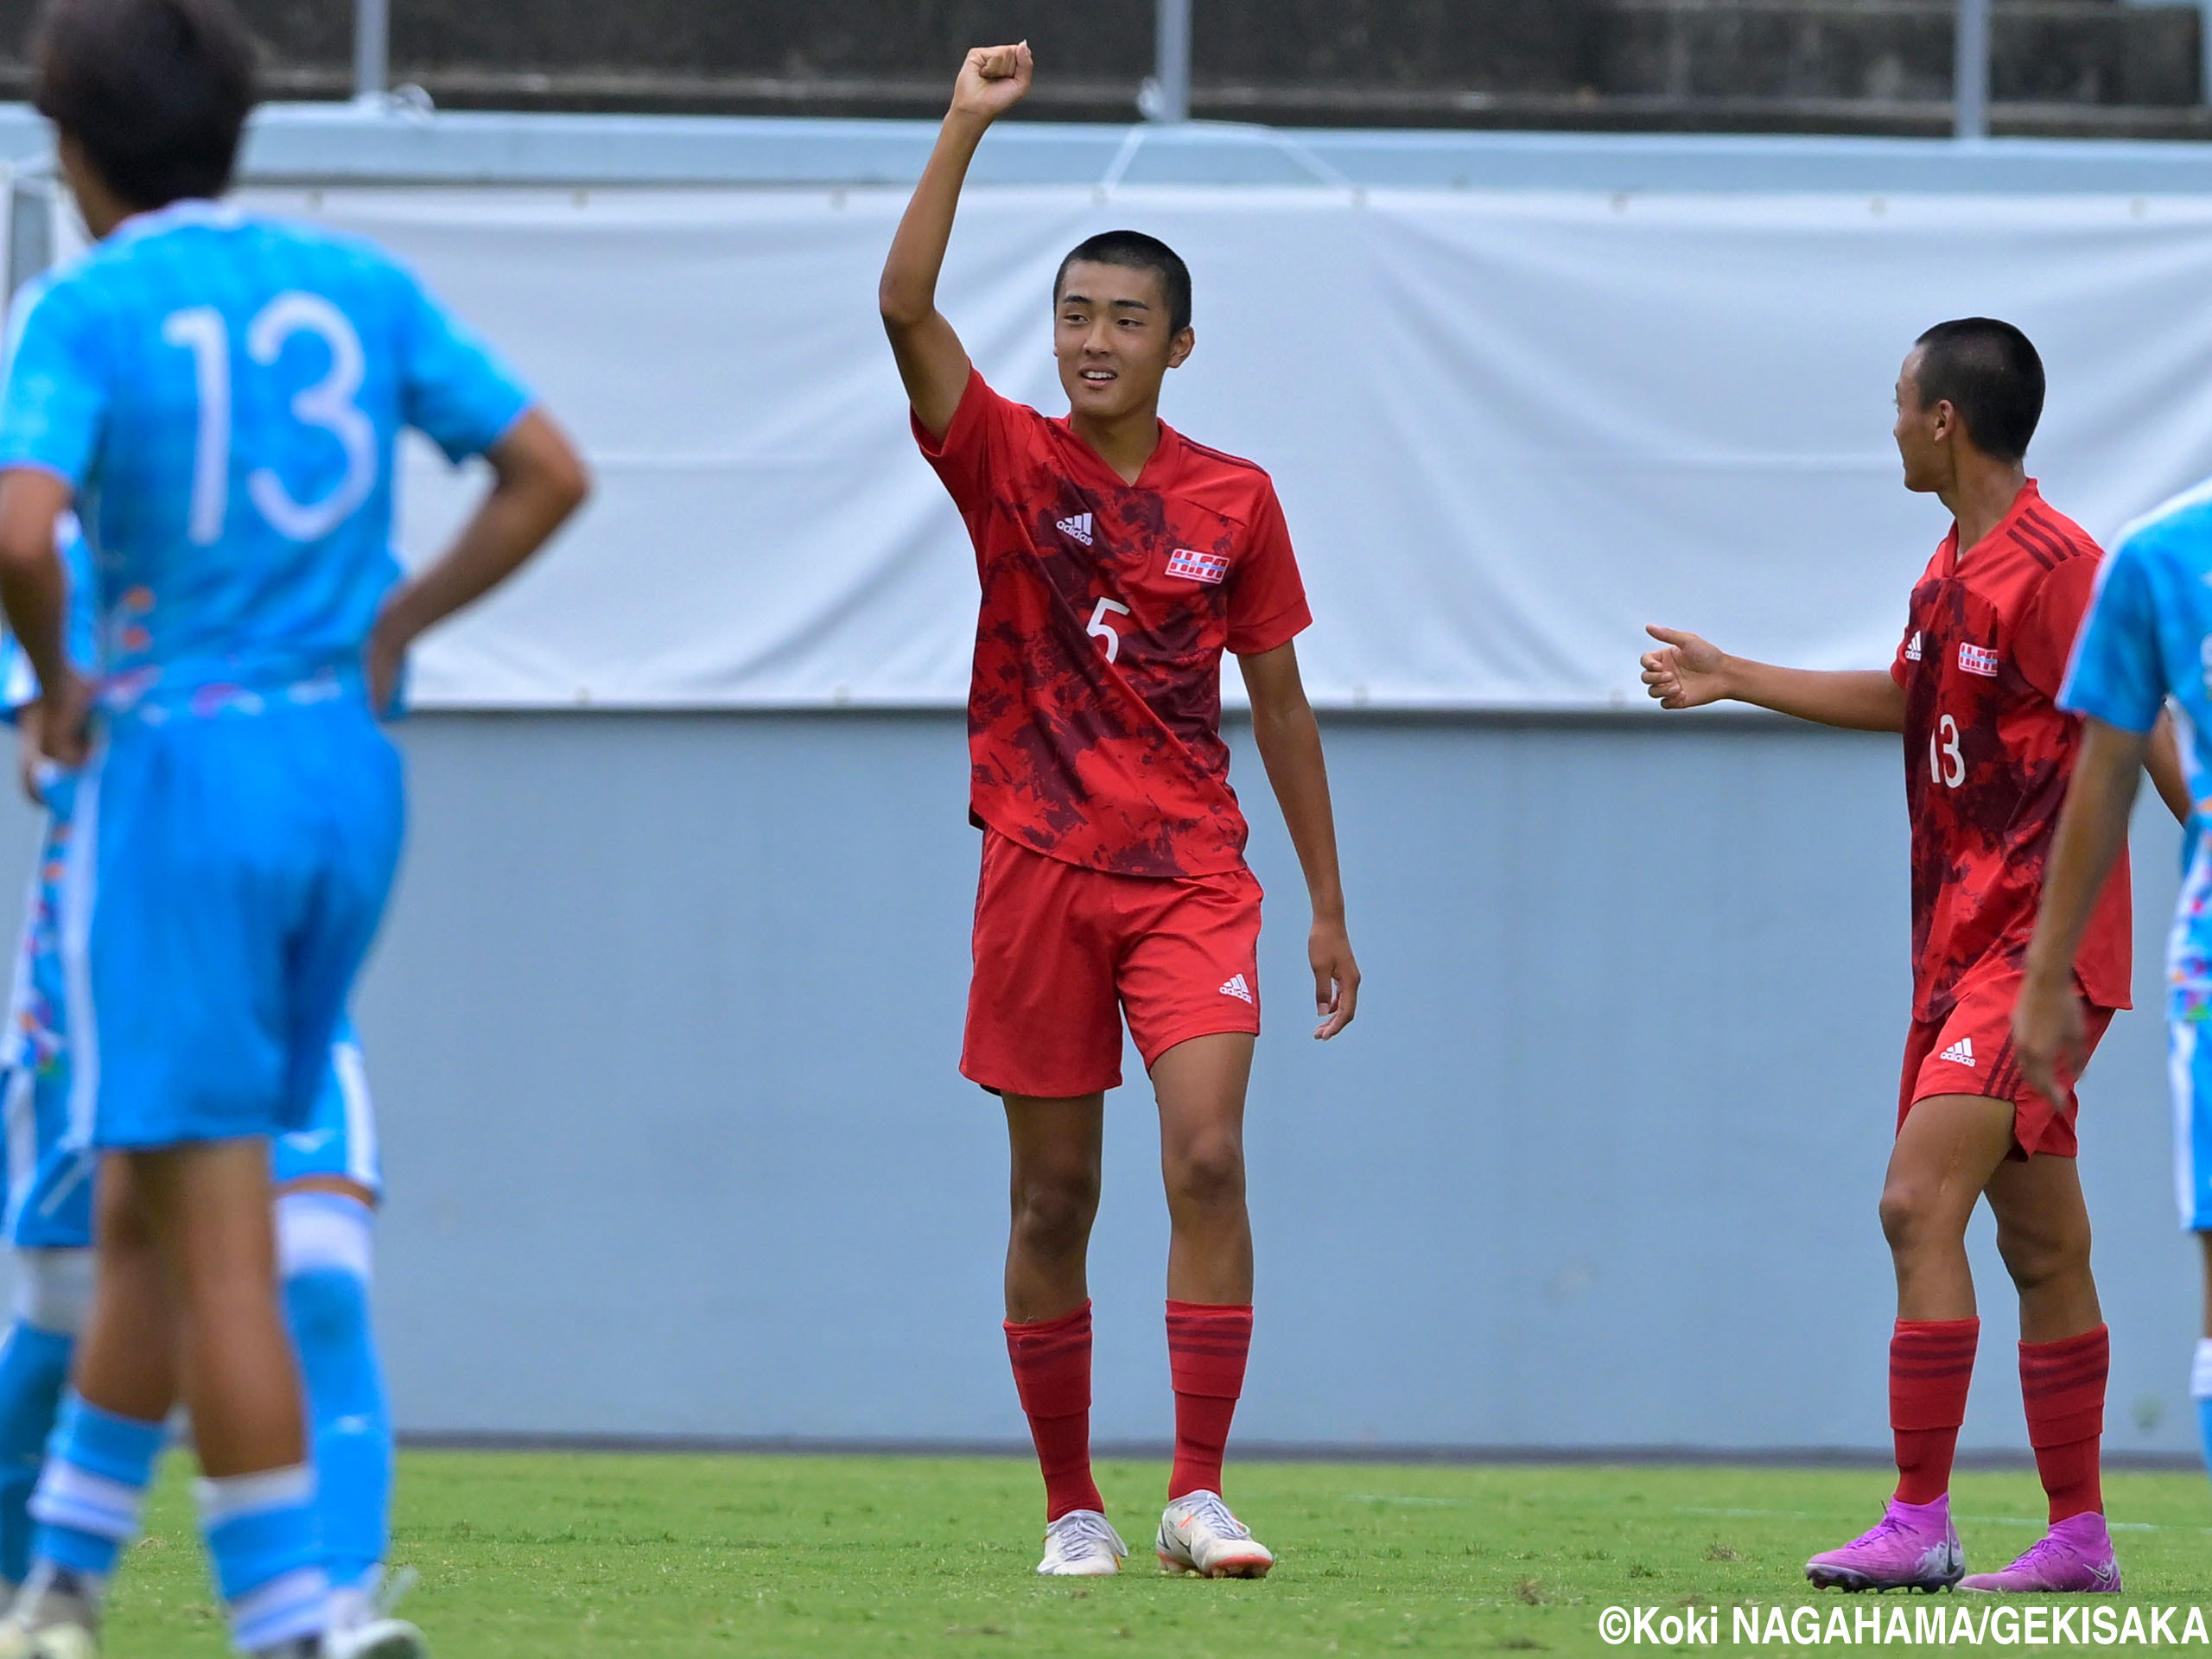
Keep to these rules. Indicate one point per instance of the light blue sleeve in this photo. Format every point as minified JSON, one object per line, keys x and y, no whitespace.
{"x":2116,"y":675}
{"x":56,"y":398}
{"x":455,"y":389}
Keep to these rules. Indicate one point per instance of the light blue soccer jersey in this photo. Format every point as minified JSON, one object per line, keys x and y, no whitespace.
{"x":225,"y":393}
{"x":2147,"y":637}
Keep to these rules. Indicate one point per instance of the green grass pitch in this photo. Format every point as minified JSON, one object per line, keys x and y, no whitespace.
{"x":540,"y":1556}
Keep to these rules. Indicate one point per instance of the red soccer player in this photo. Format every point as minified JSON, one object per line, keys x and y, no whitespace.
{"x":1987,"y":753}
{"x":1118,"y":561}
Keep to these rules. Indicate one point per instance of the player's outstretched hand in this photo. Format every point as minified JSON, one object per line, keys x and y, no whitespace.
{"x":992,"y":80}
{"x":2049,"y":1037}
{"x":65,"y":720}
{"x":1688,"y":673}
{"x":1336,"y":977}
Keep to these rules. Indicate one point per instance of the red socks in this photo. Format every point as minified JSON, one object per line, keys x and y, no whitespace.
{"x":1206,"y":1346}
{"x":2062,"y":1385}
{"x":1931,"y":1366}
{"x":1052,"y":1372}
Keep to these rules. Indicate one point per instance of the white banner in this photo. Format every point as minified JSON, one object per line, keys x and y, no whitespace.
{"x":1509,"y":428}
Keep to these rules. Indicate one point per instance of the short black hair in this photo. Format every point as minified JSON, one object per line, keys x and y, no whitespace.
{"x":156,"y":91}
{"x":1135,"y":250}
{"x":1990,"y":372}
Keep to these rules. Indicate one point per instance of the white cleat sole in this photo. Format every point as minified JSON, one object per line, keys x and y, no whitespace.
{"x":1235,"y":1567}
{"x":1105,"y":1569}
{"x":387,"y":1638}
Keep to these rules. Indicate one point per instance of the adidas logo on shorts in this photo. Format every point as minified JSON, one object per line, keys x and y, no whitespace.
{"x":1960,"y":1054}
{"x":1237,"y":989}
{"x":1078,"y":527}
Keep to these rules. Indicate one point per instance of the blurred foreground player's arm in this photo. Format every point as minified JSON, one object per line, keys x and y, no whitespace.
{"x":35,"y":592}
{"x":2119,"y":683}
{"x":1290,"y":746}
{"x":1690,"y":672}
{"x":932,"y":360}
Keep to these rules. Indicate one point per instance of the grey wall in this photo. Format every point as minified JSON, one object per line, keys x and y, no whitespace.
{"x":665,"y":1029}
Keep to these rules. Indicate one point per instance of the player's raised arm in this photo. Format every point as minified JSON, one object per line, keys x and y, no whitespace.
{"x":1689,"y":673}
{"x":1289,"y":741}
{"x":932,"y":360}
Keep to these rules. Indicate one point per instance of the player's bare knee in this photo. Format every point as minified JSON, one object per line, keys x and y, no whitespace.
{"x":1052,"y":1215}
{"x":2039,"y":1256}
{"x":1208,"y":1173}
{"x":1907,"y":1208}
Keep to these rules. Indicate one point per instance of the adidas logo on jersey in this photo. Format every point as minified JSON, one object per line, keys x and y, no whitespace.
{"x":1960,"y":1054}
{"x":1078,"y":528}
{"x":1237,"y":989}
{"x":1913,"y":648}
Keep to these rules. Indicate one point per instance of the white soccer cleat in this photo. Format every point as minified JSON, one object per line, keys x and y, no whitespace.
{"x":1199,"y":1535}
{"x":1081,"y":1544}
{"x":51,"y":1618}
{"x":361,"y":1622}
{"x":380,"y":1638}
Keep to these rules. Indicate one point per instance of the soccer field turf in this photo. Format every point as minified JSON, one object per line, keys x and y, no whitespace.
{"x":550,"y":1556}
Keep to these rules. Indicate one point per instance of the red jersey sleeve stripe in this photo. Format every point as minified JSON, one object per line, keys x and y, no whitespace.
{"x":2064,"y":540}
{"x":2036,"y":548}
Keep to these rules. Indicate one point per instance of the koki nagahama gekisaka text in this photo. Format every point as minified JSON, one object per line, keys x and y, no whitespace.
{"x":1926,"y":1622}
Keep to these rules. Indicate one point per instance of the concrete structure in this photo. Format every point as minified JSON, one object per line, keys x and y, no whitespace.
{"x":2060,"y":66}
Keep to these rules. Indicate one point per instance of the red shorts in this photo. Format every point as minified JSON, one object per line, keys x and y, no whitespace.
{"x":1063,"y":953}
{"x":1969,"y":1051}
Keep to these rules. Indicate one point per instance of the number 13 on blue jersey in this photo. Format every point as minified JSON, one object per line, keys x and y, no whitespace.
{"x":329,"y":405}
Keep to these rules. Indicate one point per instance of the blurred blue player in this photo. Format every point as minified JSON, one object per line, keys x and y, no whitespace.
{"x":220,"y":395}
{"x":2146,"y":642}
{"x":328,"y":1184}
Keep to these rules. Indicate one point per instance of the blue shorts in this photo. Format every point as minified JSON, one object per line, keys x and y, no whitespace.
{"x":49,"y":1179}
{"x":227,"y":874}
{"x":341,"y":1139}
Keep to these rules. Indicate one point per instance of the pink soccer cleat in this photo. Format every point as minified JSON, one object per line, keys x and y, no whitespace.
{"x":2074,"y":1557}
{"x":1914,"y":1547}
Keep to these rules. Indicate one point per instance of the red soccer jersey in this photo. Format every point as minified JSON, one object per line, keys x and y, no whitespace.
{"x":1987,"y":753}
{"x":1094,"y":717}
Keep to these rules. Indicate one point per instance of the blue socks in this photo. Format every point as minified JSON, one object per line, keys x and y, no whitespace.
{"x":267,"y":1549}
{"x":34,"y":1367}
{"x":326,"y":1243}
{"x":91,"y":1497}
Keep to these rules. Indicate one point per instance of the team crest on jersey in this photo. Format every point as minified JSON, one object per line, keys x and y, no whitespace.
{"x":1210,"y":568}
{"x":1912,"y":647}
{"x":1077,"y":529}
{"x":1978,"y":660}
